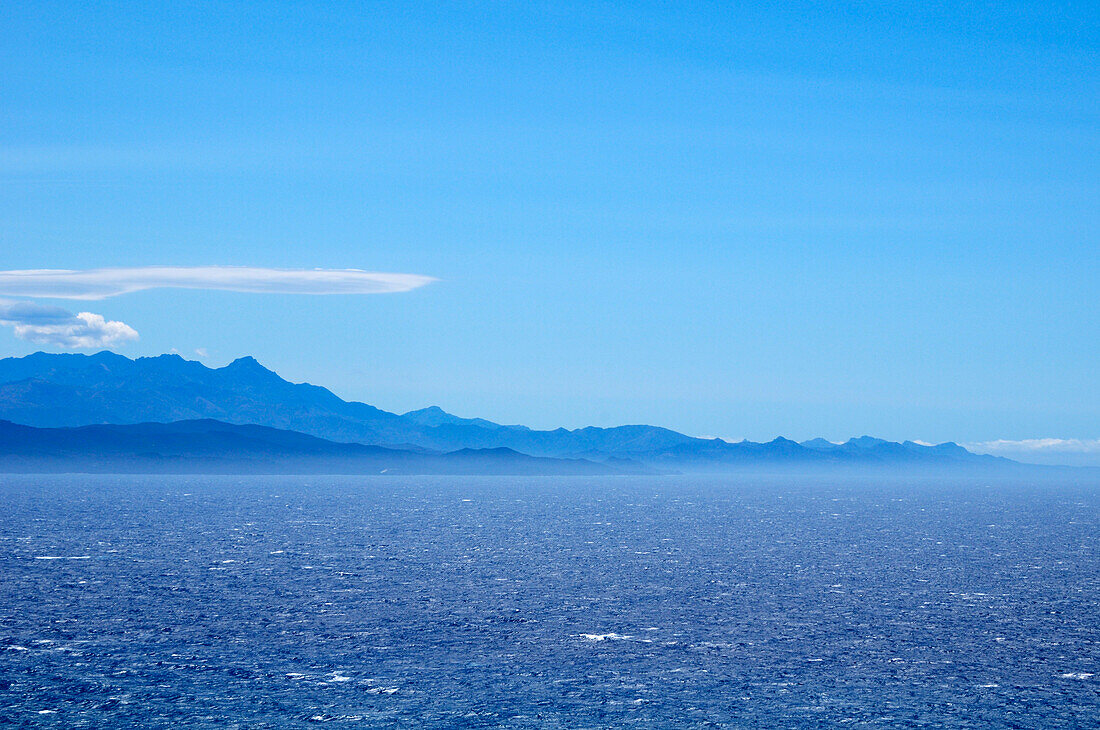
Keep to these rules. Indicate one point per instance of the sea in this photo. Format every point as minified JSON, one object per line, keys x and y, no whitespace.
{"x":637,"y":602}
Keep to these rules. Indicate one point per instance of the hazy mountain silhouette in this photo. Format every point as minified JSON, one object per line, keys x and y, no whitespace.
{"x":50,"y":390}
{"x":208,"y":446}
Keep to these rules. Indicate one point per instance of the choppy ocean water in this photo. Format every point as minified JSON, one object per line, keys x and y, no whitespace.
{"x":547,"y":603}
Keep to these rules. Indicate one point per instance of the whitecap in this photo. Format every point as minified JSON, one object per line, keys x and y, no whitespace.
{"x":605,"y":637}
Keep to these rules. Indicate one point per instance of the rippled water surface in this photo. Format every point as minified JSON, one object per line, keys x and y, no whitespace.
{"x":559,"y":603}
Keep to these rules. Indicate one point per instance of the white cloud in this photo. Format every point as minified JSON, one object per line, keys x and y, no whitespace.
{"x":102,"y":283}
{"x":57,"y":327}
{"x":1066,"y":452}
{"x":1037,"y":446}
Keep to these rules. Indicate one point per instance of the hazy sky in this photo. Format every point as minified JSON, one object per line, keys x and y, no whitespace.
{"x":791,"y":220}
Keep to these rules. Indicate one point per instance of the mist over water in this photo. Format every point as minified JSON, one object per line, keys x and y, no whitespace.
{"x":547,"y":602}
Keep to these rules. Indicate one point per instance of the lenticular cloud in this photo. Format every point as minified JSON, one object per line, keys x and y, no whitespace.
{"x":103,"y":283}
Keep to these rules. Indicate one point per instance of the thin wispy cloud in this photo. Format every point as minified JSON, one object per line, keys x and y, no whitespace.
{"x":1065,"y":452}
{"x":57,"y":327}
{"x":102,"y":283}
{"x":1037,"y":446}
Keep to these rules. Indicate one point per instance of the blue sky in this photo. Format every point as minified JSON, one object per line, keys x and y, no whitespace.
{"x":785,"y":219}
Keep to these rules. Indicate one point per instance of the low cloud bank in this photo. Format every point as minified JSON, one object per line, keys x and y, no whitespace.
{"x":1078,"y":452}
{"x":1038,"y":445}
{"x":103,"y":283}
{"x":57,"y":327}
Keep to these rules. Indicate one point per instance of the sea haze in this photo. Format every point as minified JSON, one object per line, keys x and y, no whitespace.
{"x":565,"y":602}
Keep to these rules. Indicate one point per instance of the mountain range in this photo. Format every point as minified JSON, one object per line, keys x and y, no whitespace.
{"x":207,"y":408}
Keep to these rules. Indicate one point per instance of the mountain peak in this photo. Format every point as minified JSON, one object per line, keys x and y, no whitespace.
{"x":436,"y":416}
{"x":818,"y":443}
{"x":430,"y":410}
{"x":108,"y":356}
{"x":246,"y":363}
{"x":865,"y":442}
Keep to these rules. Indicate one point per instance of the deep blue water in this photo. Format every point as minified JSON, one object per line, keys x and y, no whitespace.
{"x":560,"y":603}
